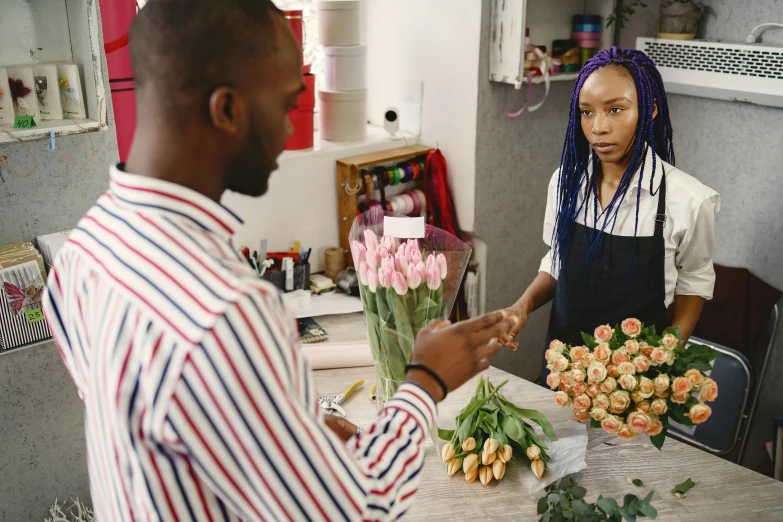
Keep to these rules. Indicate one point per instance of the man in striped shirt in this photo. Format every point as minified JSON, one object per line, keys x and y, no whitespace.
{"x":198,"y":403}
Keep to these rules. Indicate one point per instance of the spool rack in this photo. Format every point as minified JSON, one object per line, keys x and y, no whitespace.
{"x":351,"y":183}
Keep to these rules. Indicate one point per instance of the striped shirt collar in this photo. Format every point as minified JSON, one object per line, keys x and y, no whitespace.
{"x":162,"y":196}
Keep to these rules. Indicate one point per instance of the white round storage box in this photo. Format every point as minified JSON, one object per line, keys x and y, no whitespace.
{"x":345,"y":68}
{"x":343,"y":115}
{"x":338,"y":22}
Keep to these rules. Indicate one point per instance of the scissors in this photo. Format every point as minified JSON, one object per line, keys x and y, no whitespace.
{"x":332,"y":403}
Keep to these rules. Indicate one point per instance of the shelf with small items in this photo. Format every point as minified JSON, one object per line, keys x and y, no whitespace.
{"x":50,"y":54}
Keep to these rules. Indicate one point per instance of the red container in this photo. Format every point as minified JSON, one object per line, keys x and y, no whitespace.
{"x":116,"y":17}
{"x":302,"y":117}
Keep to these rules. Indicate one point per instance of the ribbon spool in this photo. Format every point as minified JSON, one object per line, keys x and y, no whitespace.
{"x":334,"y":262}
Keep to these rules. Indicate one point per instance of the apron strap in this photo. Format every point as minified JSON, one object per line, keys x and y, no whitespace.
{"x":660,"y":216}
{"x":659,"y":247}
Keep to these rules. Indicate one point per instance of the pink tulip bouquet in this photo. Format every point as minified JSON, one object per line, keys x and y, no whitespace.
{"x":628,"y":380}
{"x":405,"y":283}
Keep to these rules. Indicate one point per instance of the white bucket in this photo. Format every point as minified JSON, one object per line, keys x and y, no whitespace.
{"x":338,"y":22}
{"x":345,"y":68}
{"x":343,"y":115}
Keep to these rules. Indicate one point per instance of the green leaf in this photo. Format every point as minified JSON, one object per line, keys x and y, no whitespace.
{"x":466,"y":427}
{"x":535,"y":416}
{"x":564,"y":502}
{"x":701,"y":366}
{"x":674,"y":330}
{"x":594,"y":423}
{"x":554,"y":498}
{"x":659,"y":439}
{"x":445,"y":434}
{"x":576,"y":477}
{"x":677,"y":414}
{"x":607,"y":505}
{"x":568,"y":515}
{"x":683,"y":488}
{"x":648,"y":511}
{"x":543,"y":505}
{"x":589,"y":340}
{"x":578,"y":492}
{"x":637,"y":482}
{"x":547,"y":517}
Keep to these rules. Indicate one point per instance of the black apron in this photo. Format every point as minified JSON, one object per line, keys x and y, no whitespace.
{"x":621,"y":282}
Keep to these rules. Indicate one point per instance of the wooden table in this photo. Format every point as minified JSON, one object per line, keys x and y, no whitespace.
{"x":724,"y":491}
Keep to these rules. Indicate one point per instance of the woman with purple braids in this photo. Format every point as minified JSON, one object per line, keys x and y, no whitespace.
{"x":629,"y":233}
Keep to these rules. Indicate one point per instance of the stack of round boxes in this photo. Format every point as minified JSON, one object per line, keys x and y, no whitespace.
{"x":343,"y":109}
{"x":587,"y":34}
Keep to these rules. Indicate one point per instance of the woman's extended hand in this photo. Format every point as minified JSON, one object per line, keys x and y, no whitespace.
{"x":520,"y":312}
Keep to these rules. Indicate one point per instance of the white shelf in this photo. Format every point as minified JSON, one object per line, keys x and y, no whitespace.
{"x":41,"y":130}
{"x":554,"y":77}
{"x":375,"y":136}
{"x":49,"y":31}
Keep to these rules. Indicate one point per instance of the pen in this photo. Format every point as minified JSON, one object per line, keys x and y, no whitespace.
{"x":255,"y":265}
{"x":307,"y":256}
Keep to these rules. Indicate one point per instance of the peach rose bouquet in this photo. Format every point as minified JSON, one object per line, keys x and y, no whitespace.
{"x":629,"y":380}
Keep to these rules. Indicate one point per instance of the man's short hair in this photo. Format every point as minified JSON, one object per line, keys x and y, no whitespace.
{"x":194,"y":46}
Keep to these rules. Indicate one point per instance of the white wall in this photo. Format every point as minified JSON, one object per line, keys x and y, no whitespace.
{"x":302,"y":200}
{"x":436,"y":41}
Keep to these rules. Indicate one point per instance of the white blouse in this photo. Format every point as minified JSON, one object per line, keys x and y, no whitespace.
{"x":689,"y":233}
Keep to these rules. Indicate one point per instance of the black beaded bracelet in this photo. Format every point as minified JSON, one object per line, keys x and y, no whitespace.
{"x":427,"y":369}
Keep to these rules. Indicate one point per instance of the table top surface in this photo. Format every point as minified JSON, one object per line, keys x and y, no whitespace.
{"x":723,"y":491}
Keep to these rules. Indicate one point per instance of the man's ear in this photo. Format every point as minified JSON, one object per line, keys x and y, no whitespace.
{"x":227,"y":111}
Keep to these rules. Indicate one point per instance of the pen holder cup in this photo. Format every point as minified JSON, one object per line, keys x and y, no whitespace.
{"x":301,"y":278}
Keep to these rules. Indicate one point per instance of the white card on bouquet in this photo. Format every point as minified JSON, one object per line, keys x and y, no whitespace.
{"x":48,"y":92}
{"x":70,"y":86}
{"x":26,"y":105}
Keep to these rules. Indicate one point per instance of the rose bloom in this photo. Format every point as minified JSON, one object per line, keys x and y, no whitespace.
{"x":551,"y":355}
{"x":557,"y":346}
{"x":581,"y":416}
{"x":694,"y":377}
{"x":602,"y":401}
{"x":637,"y":396}
{"x":631,"y":327}
{"x":593,"y":391}
{"x":672,"y":358}
{"x":641,"y":363}
{"x":611,"y":424}
{"x":659,"y":406}
{"x":603,"y":353}
{"x":646,"y":350}
{"x":562,"y":398}
{"x":619,"y":401}
{"x":644,"y":406}
{"x":700,"y":413}
{"x":577,"y":352}
{"x":598,"y":414}
{"x":609,"y":385}
{"x":662,"y":382}
{"x":620,"y":356}
{"x":626,"y":433}
{"x":632,"y":346}
{"x":681,"y":384}
{"x":662,"y":393}
{"x":709,"y":390}
{"x":582,"y":402}
{"x":579,"y":376}
{"x":626,"y":368}
{"x":560,"y":364}
{"x":680,"y":398}
{"x":578,"y":365}
{"x":639,"y":422}
{"x":659,"y":356}
{"x":628,"y":382}
{"x":565,"y":388}
{"x":588,"y":359}
{"x":597,"y":372}
{"x":656,"y":427}
{"x":553,"y":380}
{"x":669,"y":341}
{"x":646,"y":386}
{"x":613,"y":371}
{"x":580,"y":388}
{"x":603,"y":333}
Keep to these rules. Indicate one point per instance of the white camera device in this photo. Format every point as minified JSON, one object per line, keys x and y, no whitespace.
{"x":391,"y":121}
